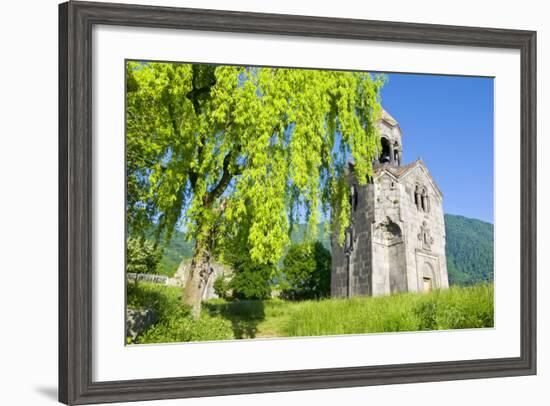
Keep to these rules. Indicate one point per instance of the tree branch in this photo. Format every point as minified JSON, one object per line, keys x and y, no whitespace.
{"x":218,"y":190}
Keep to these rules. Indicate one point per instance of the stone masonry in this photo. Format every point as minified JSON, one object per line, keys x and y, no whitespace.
{"x":396,"y":240}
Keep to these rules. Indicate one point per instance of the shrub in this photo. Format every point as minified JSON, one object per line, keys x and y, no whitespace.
{"x":221,"y":286}
{"x":175,"y":323}
{"x":164,"y":300}
{"x":252,"y":281}
{"x":182,"y":329}
{"x":306,"y":270}
{"x":142,"y":256}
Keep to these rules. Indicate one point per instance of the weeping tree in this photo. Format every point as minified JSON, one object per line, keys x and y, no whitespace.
{"x":236,"y":155}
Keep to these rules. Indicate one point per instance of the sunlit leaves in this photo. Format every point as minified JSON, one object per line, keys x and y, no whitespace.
{"x":240,"y":153}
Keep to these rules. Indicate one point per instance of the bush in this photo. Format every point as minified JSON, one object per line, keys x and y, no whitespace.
{"x":142,"y":256}
{"x":221,"y":286}
{"x":164,"y":300}
{"x":174,"y":321}
{"x":252,"y":281}
{"x":182,"y":329}
{"x":306,"y":270}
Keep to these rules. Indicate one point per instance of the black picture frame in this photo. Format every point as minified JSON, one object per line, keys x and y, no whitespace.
{"x":76,"y":20}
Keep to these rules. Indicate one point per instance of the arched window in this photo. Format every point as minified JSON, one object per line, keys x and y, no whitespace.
{"x":417,"y":197}
{"x":427,"y":202}
{"x":424,"y":200}
{"x":353,"y":197}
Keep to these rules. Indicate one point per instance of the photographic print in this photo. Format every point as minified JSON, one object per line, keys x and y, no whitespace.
{"x":295,"y":202}
{"x":270,"y":202}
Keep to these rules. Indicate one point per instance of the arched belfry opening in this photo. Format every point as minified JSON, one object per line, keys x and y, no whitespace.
{"x":385,"y":156}
{"x":396,"y":154}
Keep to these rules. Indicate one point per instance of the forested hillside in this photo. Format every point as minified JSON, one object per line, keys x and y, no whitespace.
{"x":469,"y":250}
{"x":177,"y":250}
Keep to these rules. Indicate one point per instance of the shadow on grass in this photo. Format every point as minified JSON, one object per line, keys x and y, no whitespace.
{"x":244,"y":315}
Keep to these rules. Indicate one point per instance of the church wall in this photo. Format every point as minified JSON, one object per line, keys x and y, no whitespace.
{"x":380,"y":276}
{"x":418,"y":221}
{"x":361,"y":256}
{"x":389,"y":270}
{"x":362,"y":253}
{"x":397,"y":271}
{"x":338,"y":282}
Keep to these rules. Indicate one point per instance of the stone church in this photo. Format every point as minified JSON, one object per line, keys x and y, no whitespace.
{"x":396,"y":240}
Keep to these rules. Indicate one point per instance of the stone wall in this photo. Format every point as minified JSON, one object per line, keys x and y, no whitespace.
{"x":181,"y":275}
{"x":389,"y":243}
{"x":133,"y":277}
{"x":216,"y":270}
{"x":137,"y":321}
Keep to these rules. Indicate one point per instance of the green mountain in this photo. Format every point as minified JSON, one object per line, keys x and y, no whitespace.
{"x":299,"y":232}
{"x":177,"y":250}
{"x":469,"y":249}
{"x":180,"y":249}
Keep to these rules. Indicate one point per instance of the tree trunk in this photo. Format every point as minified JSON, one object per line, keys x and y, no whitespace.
{"x":197,"y":279}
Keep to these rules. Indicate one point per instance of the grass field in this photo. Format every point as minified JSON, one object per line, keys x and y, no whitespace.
{"x":454,"y":308}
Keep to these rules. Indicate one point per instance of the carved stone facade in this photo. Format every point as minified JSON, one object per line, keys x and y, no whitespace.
{"x":396,"y":240}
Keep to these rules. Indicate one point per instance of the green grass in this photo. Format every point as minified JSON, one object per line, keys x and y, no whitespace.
{"x":454,"y":308}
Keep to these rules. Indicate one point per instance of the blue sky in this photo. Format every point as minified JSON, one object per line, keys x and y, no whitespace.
{"x":448,"y":122}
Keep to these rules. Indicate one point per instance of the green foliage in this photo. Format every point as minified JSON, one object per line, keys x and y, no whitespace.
{"x":252,"y":281}
{"x":228,"y":151}
{"x":164,"y":300}
{"x":182,"y":329}
{"x":175,"y":323}
{"x":469,"y":249}
{"x":142,"y":256}
{"x":221,"y":286}
{"x":306,"y":271}
{"x":457,"y":307}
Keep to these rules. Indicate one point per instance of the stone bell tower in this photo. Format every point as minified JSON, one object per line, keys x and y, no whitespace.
{"x":396,"y":240}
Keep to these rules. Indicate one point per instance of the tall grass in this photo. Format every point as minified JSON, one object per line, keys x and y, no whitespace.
{"x":454,"y":308}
